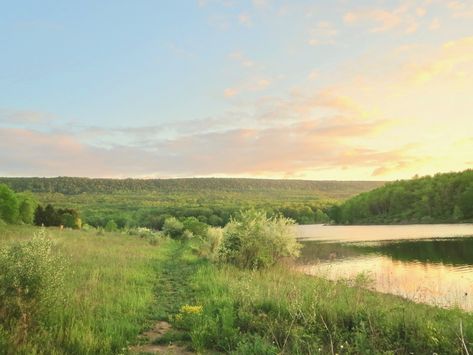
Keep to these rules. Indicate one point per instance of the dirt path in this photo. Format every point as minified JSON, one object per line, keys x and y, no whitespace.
{"x":153,"y":338}
{"x":172,"y":291}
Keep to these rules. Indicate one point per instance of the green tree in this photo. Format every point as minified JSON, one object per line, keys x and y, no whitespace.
{"x":215,"y":220}
{"x":321,"y":217}
{"x":27,"y":208}
{"x":51,"y":217}
{"x":70,"y":220}
{"x":8,"y":204}
{"x":173,"y":228}
{"x":457,"y":213}
{"x":466,"y":202}
{"x":39,"y":216}
{"x":196,"y":227}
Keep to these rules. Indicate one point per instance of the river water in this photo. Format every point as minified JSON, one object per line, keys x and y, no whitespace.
{"x":425,"y":263}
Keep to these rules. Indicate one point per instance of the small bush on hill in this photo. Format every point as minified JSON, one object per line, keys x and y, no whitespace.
{"x":196,"y":227}
{"x":173,"y":228}
{"x":31,"y":277}
{"x":253,"y":240}
{"x":211,"y":242}
{"x":111,"y":226}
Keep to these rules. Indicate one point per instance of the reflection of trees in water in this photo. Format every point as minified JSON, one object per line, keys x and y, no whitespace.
{"x":313,"y":251}
{"x":455,"y":251}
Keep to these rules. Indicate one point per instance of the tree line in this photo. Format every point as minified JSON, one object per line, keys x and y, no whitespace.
{"x":76,"y":185}
{"x":51,"y":217}
{"x":23,"y":208}
{"x":212,"y":215}
{"x":430,"y":199}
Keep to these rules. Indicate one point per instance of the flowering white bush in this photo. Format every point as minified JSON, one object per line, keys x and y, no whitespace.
{"x":31,"y":277}
{"x":253,"y":240}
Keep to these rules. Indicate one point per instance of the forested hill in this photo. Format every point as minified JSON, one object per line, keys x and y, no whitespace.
{"x":441,"y":198}
{"x":73,"y":185}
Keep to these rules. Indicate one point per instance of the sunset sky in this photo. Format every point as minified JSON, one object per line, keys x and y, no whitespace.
{"x":339,"y":90}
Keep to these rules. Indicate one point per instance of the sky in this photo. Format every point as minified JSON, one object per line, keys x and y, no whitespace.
{"x":323,"y":90}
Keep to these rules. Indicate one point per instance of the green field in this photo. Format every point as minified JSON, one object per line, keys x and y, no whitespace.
{"x":119,"y":285}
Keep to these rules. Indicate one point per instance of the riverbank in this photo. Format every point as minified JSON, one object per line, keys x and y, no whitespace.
{"x":282,"y":311}
{"x":118,"y":286}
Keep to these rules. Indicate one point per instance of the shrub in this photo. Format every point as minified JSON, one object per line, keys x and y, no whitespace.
{"x":187,"y":234}
{"x":254,"y":344}
{"x":211,"y":242}
{"x":153,"y":240}
{"x":31,"y":277}
{"x":71,"y":221}
{"x":254,"y":240}
{"x":111,"y":226}
{"x":196,"y":227}
{"x":143,"y":232}
{"x":87,"y":227}
{"x":173,"y":228}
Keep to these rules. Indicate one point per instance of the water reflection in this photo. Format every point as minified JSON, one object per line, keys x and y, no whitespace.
{"x":376,"y":233}
{"x":435,"y":271}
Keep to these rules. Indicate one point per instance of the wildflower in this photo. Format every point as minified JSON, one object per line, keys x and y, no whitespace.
{"x":188,"y":309}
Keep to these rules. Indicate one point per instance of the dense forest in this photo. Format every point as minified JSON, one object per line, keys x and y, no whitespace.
{"x":74,"y":185}
{"x":441,"y":198}
{"x":148,"y":203}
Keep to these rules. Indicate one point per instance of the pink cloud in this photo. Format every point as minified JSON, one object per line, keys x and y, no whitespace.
{"x":287,"y":149}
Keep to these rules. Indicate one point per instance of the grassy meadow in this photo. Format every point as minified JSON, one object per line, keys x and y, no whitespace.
{"x":118,"y":285}
{"x":107,"y":295}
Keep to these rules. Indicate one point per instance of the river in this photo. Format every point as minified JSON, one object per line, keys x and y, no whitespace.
{"x":425,"y":263}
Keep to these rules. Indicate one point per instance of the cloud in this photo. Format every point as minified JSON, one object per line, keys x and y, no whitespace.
{"x":230,"y":92}
{"x":398,"y":165}
{"x":453,"y":60}
{"x":323,"y":33}
{"x":434,"y":24}
{"x":225,"y":3}
{"x":300,"y":105}
{"x":250,"y":85}
{"x":289,"y":148}
{"x":242,"y":59}
{"x":384,"y":20}
{"x":245,"y":20}
{"x":260,"y":3}
{"x":22,"y":117}
{"x":313,"y":75}
{"x":405,"y":17}
{"x":292,"y":148}
{"x":461,"y":8}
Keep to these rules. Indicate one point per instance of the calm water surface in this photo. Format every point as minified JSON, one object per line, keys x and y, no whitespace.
{"x":425,"y":263}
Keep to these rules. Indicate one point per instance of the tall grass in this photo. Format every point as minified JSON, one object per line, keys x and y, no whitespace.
{"x":282,"y":311}
{"x":107,"y":295}
{"x":116,"y":284}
